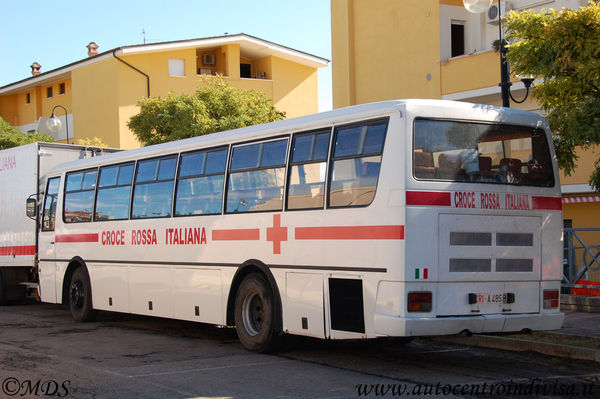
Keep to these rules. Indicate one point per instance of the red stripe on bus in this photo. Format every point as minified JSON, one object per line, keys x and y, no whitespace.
{"x":350,"y":233}
{"x":546,"y":203}
{"x":91,"y":237}
{"x":236,"y":234}
{"x":17,"y":250}
{"x":432,"y":198}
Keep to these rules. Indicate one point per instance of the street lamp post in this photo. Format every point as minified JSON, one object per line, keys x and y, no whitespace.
{"x":477,"y":7}
{"x":54,"y":124}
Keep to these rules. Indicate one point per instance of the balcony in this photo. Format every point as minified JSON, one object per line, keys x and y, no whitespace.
{"x":227,"y":61}
{"x":470,"y":72}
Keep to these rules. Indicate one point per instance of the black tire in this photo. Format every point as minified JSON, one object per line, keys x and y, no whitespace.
{"x":3,"y":297}
{"x":80,"y":296}
{"x":254,"y":313}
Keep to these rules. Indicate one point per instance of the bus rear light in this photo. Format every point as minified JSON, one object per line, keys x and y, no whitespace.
{"x":550,"y":299}
{"x":419,"y":301}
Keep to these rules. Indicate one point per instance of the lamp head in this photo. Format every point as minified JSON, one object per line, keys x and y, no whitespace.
{"x":477,"y":6}
{"x":53,"y":124}
{"x":527,"y":80}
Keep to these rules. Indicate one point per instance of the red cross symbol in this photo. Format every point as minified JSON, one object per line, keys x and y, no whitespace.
{"x":277,"y":234}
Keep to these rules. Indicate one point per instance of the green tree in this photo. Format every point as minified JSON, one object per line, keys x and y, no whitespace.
{"x":11,"y":137}
{"x":563,"y":47}
{"x":92,"y":142}
{"x":214,"y":107}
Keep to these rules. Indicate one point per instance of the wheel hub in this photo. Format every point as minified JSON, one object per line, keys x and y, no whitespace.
{"x":77,"y":293}
{"x":253,"y":314}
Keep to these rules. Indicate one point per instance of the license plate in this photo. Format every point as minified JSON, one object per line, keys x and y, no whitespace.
{"x":491,"y":298}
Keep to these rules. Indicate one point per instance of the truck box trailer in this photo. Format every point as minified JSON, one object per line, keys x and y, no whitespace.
{"x":22,"y":175}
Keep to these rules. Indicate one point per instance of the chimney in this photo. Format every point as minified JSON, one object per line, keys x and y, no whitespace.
{"x":36,"y":68}
{"x":92,"y":49}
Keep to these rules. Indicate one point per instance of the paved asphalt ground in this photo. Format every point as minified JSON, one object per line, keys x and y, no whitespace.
{"x":578,"y":339}
{"x":44,"y":353}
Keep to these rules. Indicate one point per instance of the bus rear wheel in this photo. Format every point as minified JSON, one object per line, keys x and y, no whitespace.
{"x":254,"y":315}
{"x":80,"y":296}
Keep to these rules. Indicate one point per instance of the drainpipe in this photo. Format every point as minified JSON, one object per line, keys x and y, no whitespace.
{"x":135,"y":69}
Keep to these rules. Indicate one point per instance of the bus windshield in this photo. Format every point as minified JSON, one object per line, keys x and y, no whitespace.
{"x":481,"y":153}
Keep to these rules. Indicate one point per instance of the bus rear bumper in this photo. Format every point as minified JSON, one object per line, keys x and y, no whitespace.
{"x":394,"y":326}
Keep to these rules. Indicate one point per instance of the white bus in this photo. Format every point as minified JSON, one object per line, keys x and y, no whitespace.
{"x":398,"y":218}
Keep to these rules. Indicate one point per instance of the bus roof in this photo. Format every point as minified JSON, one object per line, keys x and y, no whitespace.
{"x":442,"y":108}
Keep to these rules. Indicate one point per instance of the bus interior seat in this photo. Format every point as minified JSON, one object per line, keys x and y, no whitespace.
{"x":511,"y":166}
{"x":485,"y":166}
{"x":424,"y":164}
{"x":537,"y":171}
{"x":449,"y":166}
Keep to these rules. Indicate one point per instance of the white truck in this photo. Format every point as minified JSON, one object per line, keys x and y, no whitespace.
{"x":22,"y":176}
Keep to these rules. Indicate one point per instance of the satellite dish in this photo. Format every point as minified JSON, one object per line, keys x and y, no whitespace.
{"x":477,"y":6}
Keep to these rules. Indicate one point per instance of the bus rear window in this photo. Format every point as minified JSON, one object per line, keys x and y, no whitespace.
{"x":481,"y":153}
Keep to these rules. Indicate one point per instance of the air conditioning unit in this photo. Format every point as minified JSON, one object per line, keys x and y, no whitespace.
{"x":502,"y":7}
{"x":208,"y":59}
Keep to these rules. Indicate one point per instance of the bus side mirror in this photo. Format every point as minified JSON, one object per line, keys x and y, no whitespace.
{"x":31,"y":207}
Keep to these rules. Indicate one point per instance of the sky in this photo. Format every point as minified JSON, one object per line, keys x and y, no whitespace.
{"x":55,"y":33}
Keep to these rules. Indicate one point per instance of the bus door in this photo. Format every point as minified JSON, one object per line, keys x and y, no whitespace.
{"x":46,"y":242}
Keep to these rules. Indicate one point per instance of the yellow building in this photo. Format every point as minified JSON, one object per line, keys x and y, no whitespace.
{"x":389,"y":49}
{"x":100,"y":92}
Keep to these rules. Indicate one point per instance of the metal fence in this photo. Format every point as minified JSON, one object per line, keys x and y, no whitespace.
{"x":581,"y":262}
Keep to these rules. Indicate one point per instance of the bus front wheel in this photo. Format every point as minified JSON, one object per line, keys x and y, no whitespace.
{"x":254,"y":315}
{"x":80,"y":296}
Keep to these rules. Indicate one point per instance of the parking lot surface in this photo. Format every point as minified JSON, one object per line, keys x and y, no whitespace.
{"x":44,"y":353}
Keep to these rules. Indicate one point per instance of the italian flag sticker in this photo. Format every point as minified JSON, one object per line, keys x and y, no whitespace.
{"x":421,"y":273}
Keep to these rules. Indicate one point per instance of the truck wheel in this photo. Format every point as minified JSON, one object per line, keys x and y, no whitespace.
{"x":80,"y":296}
{"x":3,"y":298}
{"x":254,"y":315}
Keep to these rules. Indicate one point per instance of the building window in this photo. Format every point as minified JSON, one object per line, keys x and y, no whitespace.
{"x":457,"y":38}
{"x":245,"y":70}
{"x":176,"y":67}
{"x":61,"y":88}
{"x":49,"y":92}
{"x":28,"y":98}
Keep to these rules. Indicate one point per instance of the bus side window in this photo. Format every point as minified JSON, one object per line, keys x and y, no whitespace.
{"x":356,"y":163}
{"x":49,"y":215}
{"x":256,"y":177}
{"x":80,"y":188}
{"x":200,"y":183}
{"x":153,"y":188}
{"x":306,"y":181}
{"x":114,"y":192}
